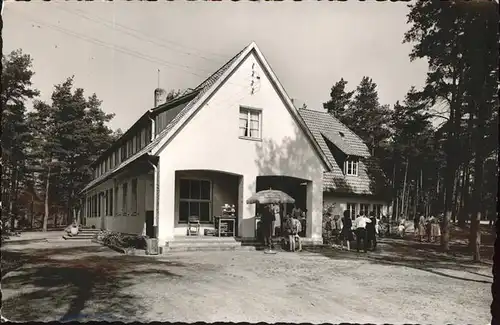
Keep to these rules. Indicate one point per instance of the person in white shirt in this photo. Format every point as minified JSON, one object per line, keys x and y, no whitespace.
{"x":360,"y":226}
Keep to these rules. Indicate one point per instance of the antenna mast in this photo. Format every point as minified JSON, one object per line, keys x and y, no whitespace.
{"x":158,"y":74}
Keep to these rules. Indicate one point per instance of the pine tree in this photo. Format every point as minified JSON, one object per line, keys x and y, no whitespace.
{"x":339,"y":99}
{"x":366,"y":117}
{"x":69,"y":134}
{"x":16,"y":90}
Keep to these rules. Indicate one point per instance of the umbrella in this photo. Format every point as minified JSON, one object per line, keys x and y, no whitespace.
{"x":270,"y":196}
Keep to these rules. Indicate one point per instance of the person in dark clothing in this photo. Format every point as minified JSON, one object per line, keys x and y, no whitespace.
{"x":360,"y":225}
{"x":346,"y":233}
{"x":267,"y":226}
{"x":371,"y":233}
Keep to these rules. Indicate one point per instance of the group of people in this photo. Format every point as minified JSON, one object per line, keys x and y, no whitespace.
{"x":290,"y":228}
{"x":427,"y":227}
{"x":364,"y":228}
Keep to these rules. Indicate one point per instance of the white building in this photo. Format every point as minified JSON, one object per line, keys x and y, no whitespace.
{"x":236,"y":133}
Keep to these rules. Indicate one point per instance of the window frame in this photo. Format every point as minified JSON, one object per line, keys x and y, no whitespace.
{"x":134,"y":205}
{"x":354,"y":164}
{"x":124,"y":198}
{"x":249,"y":111}
{"x":352,"y":213}
{"x":191,"y":200}
{"x":365,"y":211}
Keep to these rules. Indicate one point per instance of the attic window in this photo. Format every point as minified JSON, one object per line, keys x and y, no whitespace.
{"x":250,"y":123}
{"x":351,"y":167}
{"x":342,"y":134}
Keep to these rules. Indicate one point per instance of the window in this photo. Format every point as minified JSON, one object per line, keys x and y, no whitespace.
{"x":130,"y":148}
{"x":351,"y":167}
{"x":111,"y":202}
{"x":124,"y":198}
{"x":134,"y":196}
{"x":138,"y":141}
{"x":351,"y":207}
{"x":99,"y":199}
{"x":377,"y":208}
{"x":364,"y":209}
{"x":89,"y":209}
{"x":148,"y":134}
{"x":117,"y":157}
{"x":116,"y":198}
{"x":142,"y":138}
{"x":94,"y":206}
{"x":106,"y":203}
{"x":195,"y":199}
{"x":123,"y":153}
{"x":250,"y":123}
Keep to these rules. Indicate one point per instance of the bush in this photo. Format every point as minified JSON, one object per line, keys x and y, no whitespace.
{"x":111,"y":238}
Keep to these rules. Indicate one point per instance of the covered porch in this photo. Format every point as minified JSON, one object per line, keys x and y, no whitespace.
{"x":202,"y":193}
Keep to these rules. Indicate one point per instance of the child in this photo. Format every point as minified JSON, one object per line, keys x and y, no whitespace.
{"x":294,"y":236}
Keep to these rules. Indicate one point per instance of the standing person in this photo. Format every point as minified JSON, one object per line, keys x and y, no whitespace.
{"x":277,"y":220}
{"x":377,"y":228}
{"x":421,"y":227}
{"x":346,"y":233}
{"x":296,"y":229}
{"x":303,"y":222}
{"x":428,"y":227}
{"x":371,"y":233}
{"x":296,"y":212}
{"x":435,"y":228}
{"x":416,"y":220}
{"x":267,"y":225}
{"x":360,"y":224}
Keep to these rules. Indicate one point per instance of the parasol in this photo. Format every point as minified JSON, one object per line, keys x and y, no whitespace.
{"x":270,"y":196}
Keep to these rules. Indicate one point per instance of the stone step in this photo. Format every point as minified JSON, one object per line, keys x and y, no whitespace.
{"x":205,"y":247}
{"x":205,"y":239}
{"x":78,"y":237}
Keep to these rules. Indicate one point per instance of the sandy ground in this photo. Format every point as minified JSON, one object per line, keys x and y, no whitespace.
{"x":399,"y":284}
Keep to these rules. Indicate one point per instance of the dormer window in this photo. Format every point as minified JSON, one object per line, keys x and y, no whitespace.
{"x":351,"y":167}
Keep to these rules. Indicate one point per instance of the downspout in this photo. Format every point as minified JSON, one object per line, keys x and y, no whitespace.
{"x":155,"y":199}
{"x":153,"y":131}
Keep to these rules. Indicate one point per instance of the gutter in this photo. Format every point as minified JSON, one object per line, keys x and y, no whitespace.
{"x":155,"y":199}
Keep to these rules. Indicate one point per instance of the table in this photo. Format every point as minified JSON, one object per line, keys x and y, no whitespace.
{"x":227,"y":230}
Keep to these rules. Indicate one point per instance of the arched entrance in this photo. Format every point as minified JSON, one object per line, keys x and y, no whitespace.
{"x":295,"y":187}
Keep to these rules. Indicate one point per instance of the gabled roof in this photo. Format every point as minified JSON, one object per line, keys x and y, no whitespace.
{"x":327,"y":131}
{"x":218,"y":79}
{"x":178,"y":108}
{"x":323,"y":124}
{"x":200,"y":95}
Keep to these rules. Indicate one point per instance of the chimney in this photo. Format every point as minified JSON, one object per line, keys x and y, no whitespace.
{"x":160,"y":96}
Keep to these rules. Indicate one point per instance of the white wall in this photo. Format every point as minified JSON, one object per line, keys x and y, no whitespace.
{"x":211,"y":141}
{"x":124,"y":221}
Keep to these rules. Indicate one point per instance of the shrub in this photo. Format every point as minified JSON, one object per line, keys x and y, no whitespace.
{"x":111,"y":238}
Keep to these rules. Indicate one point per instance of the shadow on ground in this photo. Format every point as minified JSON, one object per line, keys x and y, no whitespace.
{"x":421,"y":256}
{"x":61,"y":284}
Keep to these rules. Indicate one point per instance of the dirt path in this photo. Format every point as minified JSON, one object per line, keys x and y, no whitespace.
{"x":326,"y":286}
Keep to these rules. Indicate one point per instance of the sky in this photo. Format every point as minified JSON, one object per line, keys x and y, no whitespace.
{"x":114,"y":49}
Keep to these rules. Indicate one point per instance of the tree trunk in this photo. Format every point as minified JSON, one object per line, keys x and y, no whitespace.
{"x":46,"y":215}
{"x":404,"y":188}
{"x":455,"y":202}
{"x":464,"y":198}
{"x":475,"y":233}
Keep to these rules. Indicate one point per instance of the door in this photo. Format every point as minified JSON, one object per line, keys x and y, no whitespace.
{"x":149,"y":224}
